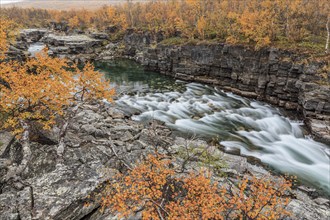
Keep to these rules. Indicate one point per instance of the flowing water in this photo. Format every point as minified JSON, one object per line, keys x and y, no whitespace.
{"x":251,"y":127}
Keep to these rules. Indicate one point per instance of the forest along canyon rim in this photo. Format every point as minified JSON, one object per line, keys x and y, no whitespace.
{"x":252,"y":127}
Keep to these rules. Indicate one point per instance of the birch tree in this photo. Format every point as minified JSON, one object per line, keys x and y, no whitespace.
{"x":38,"y":92}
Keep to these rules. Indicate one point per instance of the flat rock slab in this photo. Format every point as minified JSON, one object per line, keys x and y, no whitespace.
{"x":70,"y":39}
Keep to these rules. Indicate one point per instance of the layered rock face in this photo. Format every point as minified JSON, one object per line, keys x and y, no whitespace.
{"x":279,"y":77}
{"x":78,"y":47}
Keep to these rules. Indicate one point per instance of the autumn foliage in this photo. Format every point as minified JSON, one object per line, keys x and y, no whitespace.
{"x":4,"y":25}
{"x":39,"y":89}
{"x":258,"y":22}
{"x":155,"y":189}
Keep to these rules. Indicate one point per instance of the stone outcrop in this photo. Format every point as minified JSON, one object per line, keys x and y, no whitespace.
{"x":32,"y":35}
{"x":78,"y":47}
{"x":50,"y":190}
{"x":279,"y":77}
{"x":27,"y":37}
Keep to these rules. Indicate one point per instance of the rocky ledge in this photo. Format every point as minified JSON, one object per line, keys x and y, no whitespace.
{"x":99,"y":139}
{"x":78,"y":47}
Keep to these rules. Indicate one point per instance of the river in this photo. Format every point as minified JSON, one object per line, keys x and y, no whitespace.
{"x":239,"y":125}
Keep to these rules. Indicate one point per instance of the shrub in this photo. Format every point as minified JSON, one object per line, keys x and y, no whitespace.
{"x":154,"y":188}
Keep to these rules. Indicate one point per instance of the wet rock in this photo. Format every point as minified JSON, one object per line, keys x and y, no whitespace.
{"x":70,"y":40}
{"x":8,"y":206}
{"x":320,"y":128}
{"x":100,"y":36}
{"x":115,"y":113}
{"x":236,"y":163}
{"x":127,"y":136}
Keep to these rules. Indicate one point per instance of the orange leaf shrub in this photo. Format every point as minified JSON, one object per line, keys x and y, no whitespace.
{"x":39,"y":89}
{"x":154,"y":188}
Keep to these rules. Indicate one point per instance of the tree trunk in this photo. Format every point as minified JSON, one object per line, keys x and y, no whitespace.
{"x":61,"y":146}
{"x":328,"y":36}
{"x":15,"y":170}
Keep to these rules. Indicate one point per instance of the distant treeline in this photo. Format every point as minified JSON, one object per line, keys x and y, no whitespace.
{"x":300,"y":23}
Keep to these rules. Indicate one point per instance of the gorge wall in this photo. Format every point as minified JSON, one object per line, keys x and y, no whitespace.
{"x":279,"y":77}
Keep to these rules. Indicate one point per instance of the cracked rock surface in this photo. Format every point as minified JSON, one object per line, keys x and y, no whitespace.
{"x":51,"y":190}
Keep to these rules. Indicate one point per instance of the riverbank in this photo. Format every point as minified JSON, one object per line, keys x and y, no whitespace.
{"x":60,"y":192}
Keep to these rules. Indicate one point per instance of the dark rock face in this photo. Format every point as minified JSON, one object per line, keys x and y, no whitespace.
{"x":279,"y":77}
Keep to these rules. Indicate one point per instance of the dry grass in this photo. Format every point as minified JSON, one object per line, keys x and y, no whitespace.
{"x":67,"y":5}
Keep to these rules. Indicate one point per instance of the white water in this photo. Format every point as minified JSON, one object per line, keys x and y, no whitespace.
{"x":256,"y":129}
